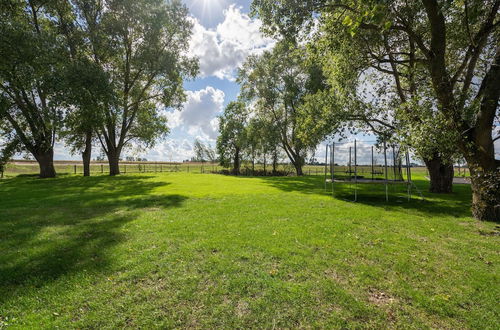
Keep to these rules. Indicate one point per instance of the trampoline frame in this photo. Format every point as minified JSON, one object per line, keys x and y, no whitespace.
{"x":330,"y":149}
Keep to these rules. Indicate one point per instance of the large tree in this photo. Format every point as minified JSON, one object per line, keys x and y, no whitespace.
{"x":276,"y":85}
{"x":457,"y":45}
{"x":85,"y":86}
{"x":363,"y":94}
{"x":31,"y":60}
{"x":232,"y":138}
{"x":86,"y":95}
{"x":141,"y":45}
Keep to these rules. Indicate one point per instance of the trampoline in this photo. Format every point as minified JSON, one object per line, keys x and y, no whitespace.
{"x":362,"y":162}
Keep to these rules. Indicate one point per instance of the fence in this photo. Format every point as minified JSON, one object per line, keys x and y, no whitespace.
{"x":31,"y":168}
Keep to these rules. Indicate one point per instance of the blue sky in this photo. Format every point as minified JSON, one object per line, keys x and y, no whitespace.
{"x":223,"y":36}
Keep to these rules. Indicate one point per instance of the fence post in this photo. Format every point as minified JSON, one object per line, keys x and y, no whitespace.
{"x":102,"y":168}
{"x":125,"y":168}
{"x":75,"y":168}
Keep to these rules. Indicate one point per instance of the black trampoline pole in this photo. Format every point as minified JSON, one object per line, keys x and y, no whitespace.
{"x":385,"y":166}
{"x":355,"y":173}
{"x":326,"y":164}
{"x":372,"y":162}
{"x":350,"y":171}
{"x":332,"y":163}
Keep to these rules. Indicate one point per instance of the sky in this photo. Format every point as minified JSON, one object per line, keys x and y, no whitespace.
{"x":224,"y":35}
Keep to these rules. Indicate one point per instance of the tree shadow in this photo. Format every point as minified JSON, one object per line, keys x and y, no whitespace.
{"x":456,"y":204}
{"x":79,"y":222}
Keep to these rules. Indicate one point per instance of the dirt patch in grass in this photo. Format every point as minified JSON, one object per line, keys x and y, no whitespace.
{"x":242,"y":308}
{"x":379,"y":298}
{"x":335,"y":276}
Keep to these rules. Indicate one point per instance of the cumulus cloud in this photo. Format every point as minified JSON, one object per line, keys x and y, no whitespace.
{"x":172,"y":150}
{"x":198,"y":116}
{"x":223,"y":49}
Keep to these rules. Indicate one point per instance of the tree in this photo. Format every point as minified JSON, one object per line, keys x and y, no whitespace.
{"x":270,"y":143}
{"x":254,"y":142}
{"x":31,"y":59}
{"x":455,"y":43}
{"x":203,"y":152}
{"x":86,"y":95}
{"x":11,"y":147}
{"x":232,"y":138}
{"x":471,"y":110}
{"x":276,"y":84}
{"x":199,"y":151}
{"x":141,"y":46}
{"x":370,"y":94}
{"x":85,"y":88}
{"x":210,"y":153}
{"x":362,"y":95}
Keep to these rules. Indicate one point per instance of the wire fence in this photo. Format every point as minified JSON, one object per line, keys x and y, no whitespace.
{"x":31,"y":168}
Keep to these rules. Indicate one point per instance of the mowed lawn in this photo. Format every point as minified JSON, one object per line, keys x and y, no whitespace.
{"x":204,"y":250}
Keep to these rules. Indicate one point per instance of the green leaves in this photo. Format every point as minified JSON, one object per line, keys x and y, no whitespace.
{"x":347,"y":20}
{"x":232,"y":136}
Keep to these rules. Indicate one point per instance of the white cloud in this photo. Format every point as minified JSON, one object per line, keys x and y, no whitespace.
{"x":198,"y":116}
{"x":171,"y":150}
{"x":223,"y":49}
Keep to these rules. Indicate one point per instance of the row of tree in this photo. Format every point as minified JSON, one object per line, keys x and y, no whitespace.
{"x":246,"y":137}
{"x":421,"y":73}
{"x":86,"y":72}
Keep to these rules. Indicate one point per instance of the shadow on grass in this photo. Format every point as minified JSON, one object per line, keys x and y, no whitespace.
{"x":49,"y":228}
{"x":455,"y":204}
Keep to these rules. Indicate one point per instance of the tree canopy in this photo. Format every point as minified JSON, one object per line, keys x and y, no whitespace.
{"x":100,"y":69}
{"x":444,"y":55}
{"x":232,"y":138}
{"x":276,"y":84}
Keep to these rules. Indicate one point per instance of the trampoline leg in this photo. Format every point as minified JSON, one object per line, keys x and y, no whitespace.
{"x":332,"y":166}
{"x":326,"y":164}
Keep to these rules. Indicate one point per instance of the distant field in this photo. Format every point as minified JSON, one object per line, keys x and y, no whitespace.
{"x":75,"y":167}
{"x":64,"y":167}
{"x":172,"y":249}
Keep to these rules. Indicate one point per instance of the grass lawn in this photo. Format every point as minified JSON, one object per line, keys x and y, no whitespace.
{"x":202,"y":251}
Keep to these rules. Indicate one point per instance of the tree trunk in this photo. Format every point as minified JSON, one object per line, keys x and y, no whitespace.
{"x":486,"y":195}
{"x":275,"y":162}
{"x":46,"y":163}
{"x":236,"y":163}
{"x":298,"y":163}
{"x":87,"y":153}
{"x":113,"y":160}
{"x":440,"y":175}
{"x":298,"y":168}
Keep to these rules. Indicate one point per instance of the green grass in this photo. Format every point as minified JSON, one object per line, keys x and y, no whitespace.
{"x":203,"y":251}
